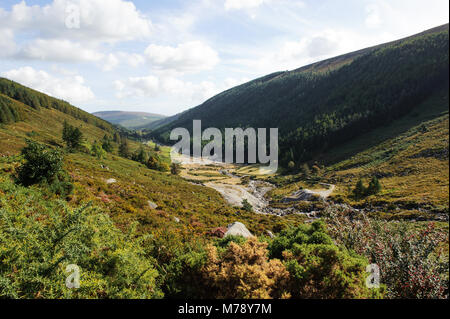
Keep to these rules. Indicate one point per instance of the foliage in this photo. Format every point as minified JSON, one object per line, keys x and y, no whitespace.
{"x":72,"y":136}
{"x":9,"y":112}
{"x":97,"y":150}
{"x":317,"y":267}
{"x":41,"y":164}
{"x":412,"y":261}
{"x":155,"y":162}
{"x":124,"y":149}
{"x":246,"y":205}
{"x":175,"y":168}
{"x":37,"y":245}
{"x":244,"y":271}
{"x":140,"y":156}
{"x":38,"y":100}
{"x":359,"y":190}
{"x":374,"y":186}
{"x":107,"y":144}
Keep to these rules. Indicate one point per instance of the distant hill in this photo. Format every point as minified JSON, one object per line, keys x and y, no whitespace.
{"x":130,"y":120}
{"x":329,"y":103}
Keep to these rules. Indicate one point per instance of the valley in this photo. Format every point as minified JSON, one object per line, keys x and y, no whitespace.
{"x":363,"y":179}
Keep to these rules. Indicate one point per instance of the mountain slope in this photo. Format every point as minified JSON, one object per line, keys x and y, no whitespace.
{"x":331,"y":102}
{"x":129,"y":120}
{"x":127,"y":199}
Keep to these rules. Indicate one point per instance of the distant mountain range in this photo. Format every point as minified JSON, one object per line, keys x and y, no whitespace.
{"x":130,"y":120}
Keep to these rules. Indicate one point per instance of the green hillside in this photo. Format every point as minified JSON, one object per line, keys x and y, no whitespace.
{"x":129,"y":120}
{"x":76,"y":189}
{"x":329,"y":103}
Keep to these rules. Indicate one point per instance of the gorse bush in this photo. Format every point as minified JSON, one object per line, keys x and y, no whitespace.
{"x":244,"y":271}
{"x":413,"y":262}
{"x":37,"y":245}
{"x":317,"y":267}
{"x":302,"y":262}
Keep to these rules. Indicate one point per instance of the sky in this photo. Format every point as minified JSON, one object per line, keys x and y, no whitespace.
{"x":167,"y":56}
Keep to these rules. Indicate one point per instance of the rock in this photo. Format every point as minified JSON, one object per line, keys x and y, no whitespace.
{"x":238,"y":229}
{"x":152,"y":204}
{"x":111,"y":181}
{"x":270,"y":234}
{"x":301,"y":195}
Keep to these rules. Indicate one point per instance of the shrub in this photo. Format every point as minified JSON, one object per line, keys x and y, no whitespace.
{"x":140,"y":156}
{"x":246,"y":205}
{"x":124,"y":150}
{"x":107,"y":144}
{"x":360,"y":190}
{"x":243,"y":271}
{"x":155,"y":163}
{"x":374,"y":186}
{"x":38,"y":244}
{"x":72,"y":136}
{"x":97,"y":150}
{"x":317,"y":267}
{"x":411,"y":260}
{"x":175,"y":168}
{"x":41,"y":164}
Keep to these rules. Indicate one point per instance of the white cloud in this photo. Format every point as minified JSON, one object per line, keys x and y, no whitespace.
{"x":69,"y":88}
{"x":7,"y":43}
{"x":187,"y":57}
{"x":153,"y":87}
{"x":242,"y":4}
{"x":59,"y":51}
{"x":100,"y":20}
{"x":191,"y":93}
{"x":373,"y":19}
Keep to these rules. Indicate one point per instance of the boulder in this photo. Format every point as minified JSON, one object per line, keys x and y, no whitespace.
{"x":238,"y":229}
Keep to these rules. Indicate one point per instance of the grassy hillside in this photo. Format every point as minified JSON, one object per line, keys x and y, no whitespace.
{"x":127,"y":199}
{"x":129,"y":120}
{"x":329,"y":103}
{"x":409,"y":156}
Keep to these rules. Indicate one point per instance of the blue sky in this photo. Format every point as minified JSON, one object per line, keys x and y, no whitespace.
{"x":167,"y":56}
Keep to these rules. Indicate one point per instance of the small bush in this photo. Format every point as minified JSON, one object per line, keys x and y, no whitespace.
{"x":246,"y":205}
{"x":41,"y":164}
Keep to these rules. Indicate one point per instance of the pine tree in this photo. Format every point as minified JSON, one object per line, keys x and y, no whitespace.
{"x":124,"y":150}
{"x":374,"y":186}
{"x":72,"y":136}
{"x":359,"y":190}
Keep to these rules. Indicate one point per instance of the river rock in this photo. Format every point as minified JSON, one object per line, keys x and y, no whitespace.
{"x":238,"y":229}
